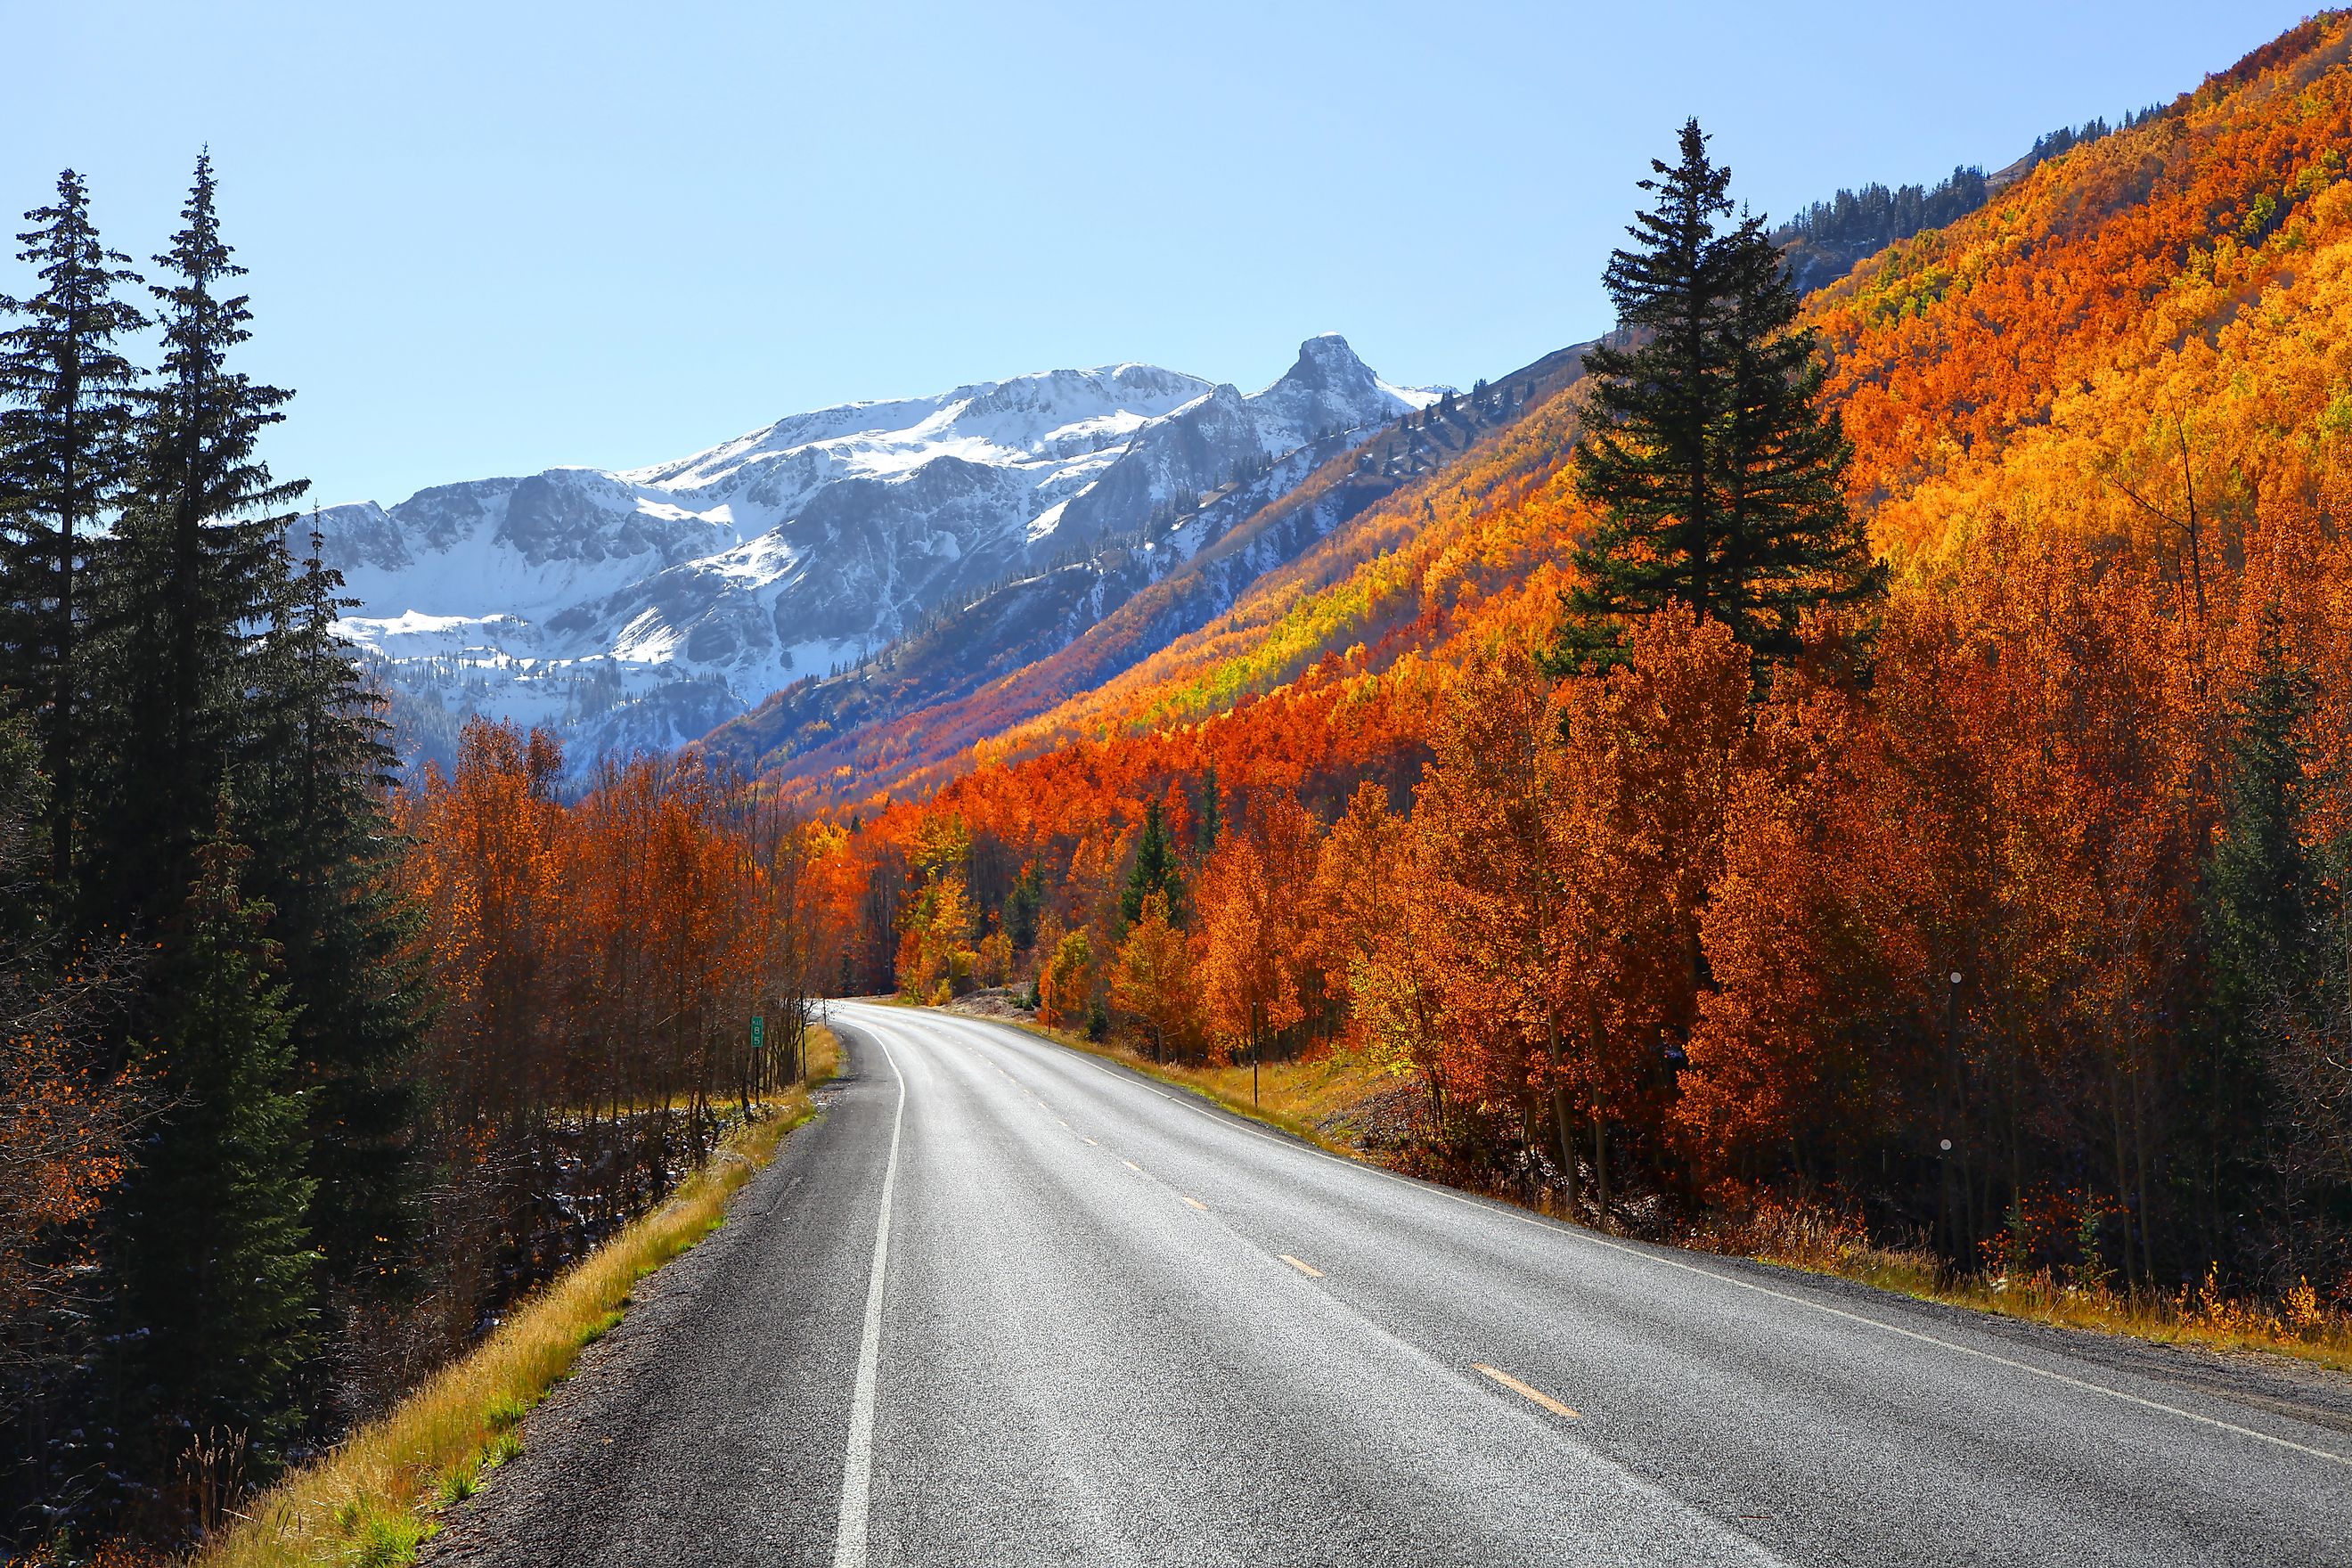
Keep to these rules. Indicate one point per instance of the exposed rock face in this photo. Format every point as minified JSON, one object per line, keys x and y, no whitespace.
{"x":638,"y":609}
{"x":1021,"y":648}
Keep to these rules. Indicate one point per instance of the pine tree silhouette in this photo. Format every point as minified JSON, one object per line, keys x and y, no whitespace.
{"x":1717,"y":474}
{"x":66,"y":455}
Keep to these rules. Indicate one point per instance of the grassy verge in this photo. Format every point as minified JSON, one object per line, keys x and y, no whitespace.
{"x":1297,"y":1097}
{"x":2202,"y":1316}
{"x":372,"y":1501}
{"x":1293,"y":1097}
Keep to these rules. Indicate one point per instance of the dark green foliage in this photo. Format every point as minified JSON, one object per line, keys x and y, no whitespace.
{"x":233,"y":822}
{"x":2265,"y":895}
{"x":217,"y":1263}
{"x":1022,"y":907}
{"x":1155,"y":869}
{"x":1705,"y":447}
{"x":24,"y":799}
{"x":69,"y":1123}
{"x":2276,"y":1092}
{"x":2066,"y":138}
{"x":65,"y":460}
{"x":1208,"y":813}
{"x":195,"y":578}
{"x":1829,"y":239}
{"x":312,"y":791}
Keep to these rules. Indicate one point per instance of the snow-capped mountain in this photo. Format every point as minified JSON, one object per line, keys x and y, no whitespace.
{"x":640,"y":608}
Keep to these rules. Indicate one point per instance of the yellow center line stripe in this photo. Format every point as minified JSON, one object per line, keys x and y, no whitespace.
{"x":1516,"y":1386}
{"x":1091,"y":1140}
{"x":1306,"y":1269}
{"x":1195,"y":1203}
{"x":1132,"y":1166}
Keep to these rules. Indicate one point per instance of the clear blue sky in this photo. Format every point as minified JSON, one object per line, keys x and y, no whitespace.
{"x":496,"y":236}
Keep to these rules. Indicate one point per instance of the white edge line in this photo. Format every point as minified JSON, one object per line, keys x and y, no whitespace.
{"x":858,"y":1464}
{"x":1578,"y":1233}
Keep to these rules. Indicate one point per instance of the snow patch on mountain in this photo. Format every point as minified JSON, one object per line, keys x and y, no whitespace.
{"x":637,"y":609}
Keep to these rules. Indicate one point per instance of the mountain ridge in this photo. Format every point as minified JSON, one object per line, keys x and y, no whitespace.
{"x":961,"y":682}
{"x":637,"y":609}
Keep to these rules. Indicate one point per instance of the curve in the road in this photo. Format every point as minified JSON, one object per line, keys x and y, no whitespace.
{"x":1024,"y":1306}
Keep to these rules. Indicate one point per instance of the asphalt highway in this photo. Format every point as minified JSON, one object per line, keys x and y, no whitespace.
{"x":1006,"y":1303}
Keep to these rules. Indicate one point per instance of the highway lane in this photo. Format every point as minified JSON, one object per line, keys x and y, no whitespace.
{"x":1114,"y":1325}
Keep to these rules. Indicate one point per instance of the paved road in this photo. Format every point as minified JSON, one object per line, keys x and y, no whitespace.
{"x":1115,"y":1326}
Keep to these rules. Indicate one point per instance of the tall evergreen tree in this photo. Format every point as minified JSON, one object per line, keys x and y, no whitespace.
{"x":216,"y":1262}
{"x":195,"y":576}
{"x":1023,"y":905}
{"x":2261,"y":888}
{"x":2274,"y":1097}
{"x":64,"y":461}
{"x":1155,"y":869}
{"x":194,"y":600}
{"x":313,"y":797}
{"x":1716,"y":472}
{"x":1209,"y":814}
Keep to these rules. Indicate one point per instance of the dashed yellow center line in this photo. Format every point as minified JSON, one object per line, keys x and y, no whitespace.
{"x":1306,"y":1269}
{"x":1516,"y":1386}
{"x":1132,"y":1166}
{"x":1059,"y":1123}
{"x":1195,"y":1203}
{"x":1090,"y":1141}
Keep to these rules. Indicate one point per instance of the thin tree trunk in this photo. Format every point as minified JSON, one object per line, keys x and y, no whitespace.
{"x":1601,"y":1168}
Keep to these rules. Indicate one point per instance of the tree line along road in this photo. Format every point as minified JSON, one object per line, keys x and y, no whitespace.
{"x":1007,"y":1303}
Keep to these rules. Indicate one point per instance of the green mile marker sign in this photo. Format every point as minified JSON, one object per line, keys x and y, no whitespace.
{"x":759,"y":1032}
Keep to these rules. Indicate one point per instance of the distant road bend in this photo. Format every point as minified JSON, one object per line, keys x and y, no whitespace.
{"x":1006,"y":1304}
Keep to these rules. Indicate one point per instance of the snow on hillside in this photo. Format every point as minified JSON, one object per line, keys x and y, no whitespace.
{"x":638,"y":609}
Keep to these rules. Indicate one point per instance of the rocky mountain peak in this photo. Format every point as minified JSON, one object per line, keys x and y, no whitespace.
{"x":637,"y":609}
{"x":1326,"y":363}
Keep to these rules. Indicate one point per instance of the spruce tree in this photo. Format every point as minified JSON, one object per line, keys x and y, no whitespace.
{"x":1717,"y":474}
{"x":2276,"y":997}
{"x":1209,"y":818}
{"x":64,"y":461}
{"x":312,"y":796}
{"x":216,"y":1263}
{"x":194,"y":577}
{"x":1154,"y":870}
{"x":2263,"y":888}
{"x":1023,"y":905}
{"x":192,"y":591}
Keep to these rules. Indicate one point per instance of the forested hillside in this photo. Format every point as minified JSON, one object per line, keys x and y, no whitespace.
{"x":2039,"y":855}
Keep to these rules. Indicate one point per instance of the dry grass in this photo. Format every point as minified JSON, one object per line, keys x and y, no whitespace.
{"x":1293,"y":1096}
{"x":2301,"y":1325}
{"x":373,"y":1500}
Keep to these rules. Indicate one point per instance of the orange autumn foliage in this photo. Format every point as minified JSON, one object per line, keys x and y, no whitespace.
{"x":2104,"y":437}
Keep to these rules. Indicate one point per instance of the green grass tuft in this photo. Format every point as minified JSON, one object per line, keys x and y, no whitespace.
{"x":386,"y":1540}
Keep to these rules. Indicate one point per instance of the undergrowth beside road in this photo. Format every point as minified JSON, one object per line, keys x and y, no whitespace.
{"x":1304,"y":1098}
{"x":1296,"y":1096}
{"x":372,"y":1501}
{"x":2203,"y":1315}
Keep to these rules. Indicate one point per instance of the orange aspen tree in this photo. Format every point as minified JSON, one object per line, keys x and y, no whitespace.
{"x":1152,"y":981}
